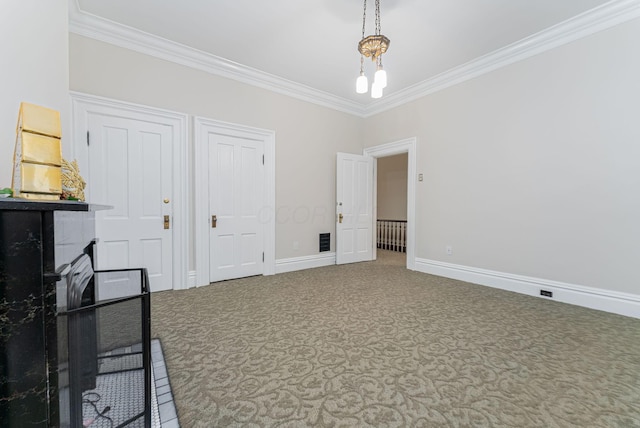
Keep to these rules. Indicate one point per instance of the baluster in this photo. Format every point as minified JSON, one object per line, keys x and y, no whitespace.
{"x":387,"y":231}
{"x":393,"y":236}
{"x":384,"y":235}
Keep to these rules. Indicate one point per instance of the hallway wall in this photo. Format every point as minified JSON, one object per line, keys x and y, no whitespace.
{"x":392,"y":187}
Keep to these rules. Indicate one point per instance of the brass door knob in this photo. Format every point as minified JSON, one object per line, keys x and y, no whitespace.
{"x":166,"y":200}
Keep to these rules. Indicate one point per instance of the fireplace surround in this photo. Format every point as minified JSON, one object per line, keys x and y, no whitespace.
{"x":74,"y":341}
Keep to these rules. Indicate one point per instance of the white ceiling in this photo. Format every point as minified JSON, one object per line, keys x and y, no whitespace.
{"x":315,"y":43}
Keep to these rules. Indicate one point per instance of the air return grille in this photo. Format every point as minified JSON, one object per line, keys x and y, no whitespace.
{"x":325,"y":242}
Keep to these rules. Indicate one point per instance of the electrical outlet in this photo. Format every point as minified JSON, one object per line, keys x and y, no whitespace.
{"x":546,"y":293}
{"x":449,"y":249}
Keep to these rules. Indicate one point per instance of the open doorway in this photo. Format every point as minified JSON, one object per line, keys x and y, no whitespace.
{"x":407,"y":147}
{"x":391,"y":203}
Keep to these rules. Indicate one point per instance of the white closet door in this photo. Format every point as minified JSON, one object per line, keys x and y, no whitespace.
{"x":236,"y":192}
{"x":130,"y":164}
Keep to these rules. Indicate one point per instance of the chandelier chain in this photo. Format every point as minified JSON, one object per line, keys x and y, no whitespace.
{"x":378,"y":31}
{"x":364,"y":17}
{"x":377,"y":17}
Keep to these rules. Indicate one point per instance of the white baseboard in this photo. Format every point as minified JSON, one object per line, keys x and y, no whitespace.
{"x":305,"y":262}
{"x":595,"y":298}
{"x":286,"y":265}
{"x":192,"y":279}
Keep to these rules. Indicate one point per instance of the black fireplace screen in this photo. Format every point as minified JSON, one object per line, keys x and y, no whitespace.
{"x":104,"y":374}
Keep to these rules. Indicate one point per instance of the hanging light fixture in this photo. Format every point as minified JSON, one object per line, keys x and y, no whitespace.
{"x":372,"y":46}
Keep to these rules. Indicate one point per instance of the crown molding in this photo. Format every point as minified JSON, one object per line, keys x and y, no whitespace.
{"x":592,"y":21}
{"x":98,"y":28}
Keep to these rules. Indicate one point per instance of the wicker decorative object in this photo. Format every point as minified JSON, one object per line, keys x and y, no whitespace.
{"x":72,"y":183}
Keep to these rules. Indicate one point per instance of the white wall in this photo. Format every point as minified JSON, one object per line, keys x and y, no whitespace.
{"x":533,"y":169}
{"x":529,"y":170}
{"x":307,"y":136}
{"x":392,"y":187}
{"x":35,"y":68}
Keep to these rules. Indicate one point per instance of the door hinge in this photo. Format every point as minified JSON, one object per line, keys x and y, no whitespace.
{"x":87,"y":138}
{"x":263,"y":256}
{"x":262,"y":159}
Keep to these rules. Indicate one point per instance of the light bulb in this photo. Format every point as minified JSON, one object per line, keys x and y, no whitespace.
{"x":380,"y":78}
{"x":376,"y":90}
{"x":362,"y":84}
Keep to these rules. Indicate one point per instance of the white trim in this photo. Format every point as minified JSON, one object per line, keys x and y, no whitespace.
{"x":408,"y":146}
{"x":201,"y":192}
{"x":104,"y":30}
{"x":84,"y":104}
{"x":592,"y":21}
{"x":595,"y":298}
{"x":305,"y":262}
{"x":192,"y":278}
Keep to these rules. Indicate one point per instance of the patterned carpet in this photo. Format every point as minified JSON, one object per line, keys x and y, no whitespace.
{"x":373,"y":344}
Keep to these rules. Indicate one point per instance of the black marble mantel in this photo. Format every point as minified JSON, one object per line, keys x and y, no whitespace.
{"x":35,"y":239}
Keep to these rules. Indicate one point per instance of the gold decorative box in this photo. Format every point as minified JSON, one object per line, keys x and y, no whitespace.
{"x":39,"y":120}
{"x":40,"y":149}
{"x":37,"y":158}
{"x":41,"y":178}
{"x":37,"y":196}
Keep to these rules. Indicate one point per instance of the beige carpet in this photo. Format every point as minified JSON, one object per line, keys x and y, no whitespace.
{"x":372,"y":344}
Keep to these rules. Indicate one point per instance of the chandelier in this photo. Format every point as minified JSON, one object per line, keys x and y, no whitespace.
{"x":372,"y":46}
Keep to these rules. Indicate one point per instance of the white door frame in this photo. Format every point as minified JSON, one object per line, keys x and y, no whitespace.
{"x":395,"y":148}
{"x":84,"y":104}
{"x":201,"y":185}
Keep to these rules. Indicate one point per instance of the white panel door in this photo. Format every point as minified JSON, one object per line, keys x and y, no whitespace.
{"x":130,"y":168}
{"x":354,"y":208}
{"x":236,"y":192}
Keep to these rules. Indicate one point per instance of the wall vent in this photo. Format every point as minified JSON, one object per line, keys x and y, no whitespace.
{"x":325,"y":242}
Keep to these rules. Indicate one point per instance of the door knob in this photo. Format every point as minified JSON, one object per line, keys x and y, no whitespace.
{"x":340,"y":217}
{"x":214,"y":221}
{"x":166,"y":222}
{"x":166,"y":200}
